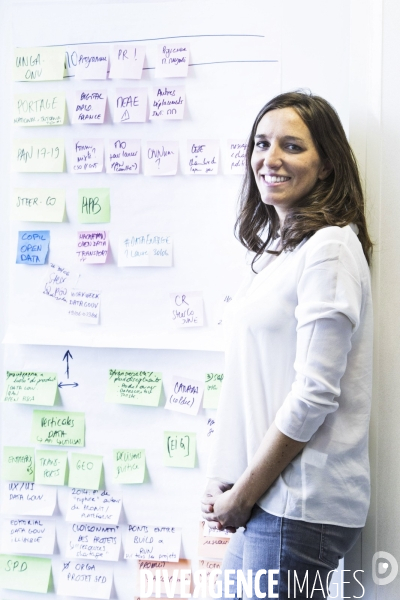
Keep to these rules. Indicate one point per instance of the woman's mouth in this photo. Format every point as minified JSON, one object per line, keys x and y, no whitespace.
{"x":274,"y":179}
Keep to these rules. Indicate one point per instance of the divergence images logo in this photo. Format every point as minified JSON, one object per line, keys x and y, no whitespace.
{"x":384,"y":568}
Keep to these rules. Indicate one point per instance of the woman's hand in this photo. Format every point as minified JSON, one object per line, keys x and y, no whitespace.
{"x":230,"y":512}
{"x":214,"y":489}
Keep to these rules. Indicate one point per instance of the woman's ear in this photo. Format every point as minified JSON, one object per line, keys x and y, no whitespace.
{"x":325,"y":170}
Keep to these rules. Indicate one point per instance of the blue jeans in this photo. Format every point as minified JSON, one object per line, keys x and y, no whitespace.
{"x":303,"y":554}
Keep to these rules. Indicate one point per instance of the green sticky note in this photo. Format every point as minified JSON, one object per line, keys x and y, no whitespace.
{"x":38,"y":109}
{"x":51,"y":467}
{"x":30,"y":387}
{"x":179,"y":449}
{"x":38,"y":155}
{"x":85,"y":471}
{"x":142,"y":388}
{"x":94,"y":205}
{"x":129,"y":466}
{"x":18,"y":463}
{"x":39,"y":64}
{"x":38,"y":204}
{"x":212,"y":389}
{"x":58,"y":428}
{"x":25,"y":573}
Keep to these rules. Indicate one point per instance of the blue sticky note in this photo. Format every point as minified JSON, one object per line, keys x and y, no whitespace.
{"x":33,"y":247}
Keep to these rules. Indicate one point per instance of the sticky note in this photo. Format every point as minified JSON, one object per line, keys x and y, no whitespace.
{"x":210,"y":427}
{"x":130,"y":105}
{"x":38,"y":155}
{"x":102,"y":542}
{"x":235,"y":161}
{"x":202,"y":157}
{"x":210,"y":546}
{"x":186,"y":309}
{"x":217,"y":533}
{"x":96,"y":583}
{"x":38,"y":204}
{"x":30,"y":387}
{"x":160,"y":158}
{"x":84,"y":306}
{"x":39,"y":64}
{"x":18,"y":463}
{"x":39,"y":109}
{"x":172,"y":60}
{"x":152,"y":542}
{"x":33,"y":247}
{"x":28,"y":499}
{"x":58,"y":428}
{"x":145,"y":250}
{"x":212,"y":389}
{"x":92,"y":61}
{"x":179,"y":449}
{"x":126,"y":61}
{"x":89,"y":107}
{"x":167,"y":103}
{"x":220,"y":309}
{"x":94,"y":205}
{"x":85,"y":471}
{"x":56,"y":282}
{"x":93,"y":506}
{"x":87,"y":156}
{"x":208,"y":573}
{"x":129,"y":466}
{"x":25,"y":573}
{"x":123,"y":156}
{"x":142,"y":388}
{"x":181,"y":572}
{"x":92,"y":247}
{"x":51,"y":467}
{"x":30,"y":535}
{"x":184,"y":395}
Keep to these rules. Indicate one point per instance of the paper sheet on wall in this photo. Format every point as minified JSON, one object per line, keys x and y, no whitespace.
{"x":94,"y":205}
{"x":39,"y":64}
{"x":37,"y":204}
{"x":58,"y":428}
{"x":123,"y":156}
{"x":235,"y":157}
{"x":31,"y":535}
{"x":25,"y":573}
{"x":89,"y":107}
{"x":145,"y":250}
{"x":146,"y":542}
{"x":57,"y":282}
{"x":28,"y":499}
{"x":18,"y":463}
{"x":51,"y":467}
{"x":85,"y":470}
{"x":211,"y":546}
{"x":172,"y":60}
{"x":87,"y":156}
{"x":33,"y":247}
{"x":212,"y":389}
{"x":160,"y":158}
{"x":84,"y":306}
{"x":92,"y":61}
{"x":183,"y":569}
{"x":85,"y":578}
{"x":142,"y":388}
{"x":130,"y":105}
{"x":179,"y":449}
{"x":39,"y":109}
{"x":93,"y":506}
{"x":184,"y":395}
{"x":93,"y":542}
{"x":129,"y":466}
{"x":127,"y":61}
{"x":92,"y":247}
{"x":202,"y":157}
{"x":167,"y":103}
{"x":38,"y":155}
{"x":26,"y":387}
{"x":186,"y":309}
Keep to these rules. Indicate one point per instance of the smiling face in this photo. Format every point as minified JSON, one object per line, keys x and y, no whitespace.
{"x":285,"y":161}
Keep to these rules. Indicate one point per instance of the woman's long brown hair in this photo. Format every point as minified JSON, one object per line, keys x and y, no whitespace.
{"x":336,"y":200}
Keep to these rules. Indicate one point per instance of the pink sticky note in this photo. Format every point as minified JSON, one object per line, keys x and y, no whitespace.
{"x":172,"y":60}
{"x":202,"y":157}
{"x":92,"y":61}
{"x":87,"y":156}
{"x":89,"y":107}
{"x":167,"y":102}
{"x":130,"y":105}
{"x":186,"y":309}
{"x":161,"y":158}
{"x":123,"y":156}
{"x":92,"y":246}
{"x":184,"y":395}
{"x":235,"y":157}
{"x":127,"y":61}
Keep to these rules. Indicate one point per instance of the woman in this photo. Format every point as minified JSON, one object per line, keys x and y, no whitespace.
{"x":290,"y":455}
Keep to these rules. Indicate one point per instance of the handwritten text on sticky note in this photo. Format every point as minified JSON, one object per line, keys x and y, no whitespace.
{"x":93,"y":506}
{"x":134,"y":387}
{"x":94,"y":205}
{"x":127,"y":61}
{"x":130,"y":105}
{"x":203,"y":157}
{"x":26,"y":387}
{"x":89,"y":107}
{"x":33,"y":247}
{"x":38,"y":109}
{"x":56,"y":283}
{"x":172,"y":60}
{"x":18,"y":463}
{"x":179,"y":449}
{"x":58,"y":428}
{"x":38,"y":204}
{"x":186,"y":309}
{"x":28,"y":499}
{"x":92,"y":246}
{"x":235,"y":162}
{"x":167,"y":103}
{"x":212,"y":389}
{"x":145,"y":250}
{"x":129,"y":466}
{"x":99,"y":542}
{"x":84,"y":306}
{"x":153,"y":543}
{"x":87,"y":156}
{"x":123,"y":156}
{"x":184,"y":395}
{"x":160,"y":158}
{"x":92,"y":61}
{"x":39,"y":64}
{"x":25,"y":573}
{"x":96,"y":582}
{"x":38,"y":155}
{"x":28,"y":535}
{"x":51,"y":467}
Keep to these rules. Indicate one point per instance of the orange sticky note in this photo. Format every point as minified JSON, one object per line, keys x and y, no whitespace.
{"x":211,"y":547}
{"x":171,"y":578}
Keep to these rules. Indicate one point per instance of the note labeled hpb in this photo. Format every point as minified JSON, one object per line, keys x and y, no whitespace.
{"x":94,"y":205}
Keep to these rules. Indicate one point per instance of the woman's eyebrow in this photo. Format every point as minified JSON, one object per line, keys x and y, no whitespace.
{"x":262,"y":136}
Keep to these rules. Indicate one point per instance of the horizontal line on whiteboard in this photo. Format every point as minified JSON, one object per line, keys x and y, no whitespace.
{"x":171,"y":37}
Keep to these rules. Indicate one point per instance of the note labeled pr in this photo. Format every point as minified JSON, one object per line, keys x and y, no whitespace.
{"x":85,"y":578}
{"x":153,"y":543}
{"x":31,"y":535}
{"x":186,"y":309}
{"x":84,"y":306}
{"x":38,"y":155}
{"x":18,"y":463}
{"x":94,"y":205}
{"x":130,"y":105}
{"x":89,"y":107}
{"x":172,"y":60}
{"x":87,"y":156}
{"x":142,"y":388}
{"x":160,"y":158}
{"x":145,"y":250}
{"x":99,"y":542}
{"x":92,"y":61}
{"x":167,"y":103}
{"x":39,"y":64}
{"x":184,"y":395}
{"x":39,"y":109}
{"x":33,"y":247}
{"x":202,"y":157}
{"x":123,"y":156}
{"x":30,"y":387}
{"x":235,"y":157}
{"x":179,"y":449}
{"x":58,"y":428}
{"x":212,"y":389}
{"x":126,"y":61}
{"x":92,"y":247}
{"x":25,"y":573}
{"x":129,"y":466}
{"x":51,"y":467}
{"x":38,"y":204}
{"x":85,"y":471}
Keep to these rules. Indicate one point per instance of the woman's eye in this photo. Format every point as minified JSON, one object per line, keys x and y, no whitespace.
{"x":294,"y":147}
{"x":262,"y":145}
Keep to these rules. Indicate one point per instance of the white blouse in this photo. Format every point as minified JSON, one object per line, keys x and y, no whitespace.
{"x":299,"y":351}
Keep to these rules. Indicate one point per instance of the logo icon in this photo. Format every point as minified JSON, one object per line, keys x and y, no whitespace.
{"x":384,"y":568}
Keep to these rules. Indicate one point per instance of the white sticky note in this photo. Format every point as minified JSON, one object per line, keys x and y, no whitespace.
{"x":145,"y":250}
{"x":93,"y":506}
{"x":123,"y":156}
{"x":202,"y":157}
{"x":87,"y":156}
{"x":235,"y":157}
{"x":92,"y":61}
{"x":161,"y":158}
{"x":57,"y":282}
{"x":216,"y":533}
{"x":28,"y":499}
{"x":126,"y":61}
{"x":93,"y":542}
{"x":38,"y":204}
{"x":184,"y":395}
{"x":28,"y":535}
{"x":220,"y":309}
{"x":130,"y":105}
{"x":153,"y":543}
{"x":85,"y":578}
{"x":89,"y":107}
{"x":92,"y":247}
{"x":172,"y":60}
{"x":186,"y":309}
{"x":167,"y":102}
{"x":84,"y":305}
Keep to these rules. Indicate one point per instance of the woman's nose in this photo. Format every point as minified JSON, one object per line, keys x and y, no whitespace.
{"x":273,"y":157}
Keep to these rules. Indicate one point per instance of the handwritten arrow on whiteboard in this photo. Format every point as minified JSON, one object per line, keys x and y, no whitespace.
{"x":61,"y":384}
{"x":66,"y":357}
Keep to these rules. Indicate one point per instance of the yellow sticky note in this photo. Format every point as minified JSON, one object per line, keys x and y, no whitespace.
{"x":38,"y":204}
{"x":142,"y":388}
{"x":212,"y":389}
{"x":39,"y":64}
{"x":51,"y":467}
{"x":85,"y":471}
{"x":25,"y":573}
{"x":28,"y":387}
{"x":129,"y":466}
{"x":18,"y":463}
{"x":179,"y":449}
{"x":37,"y":109}
{"x":58,"y":428}
{"x":94,"y":205}
{"x":38,"y":155}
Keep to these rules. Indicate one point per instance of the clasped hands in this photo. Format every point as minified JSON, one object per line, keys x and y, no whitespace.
{"x":222,"y":508}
